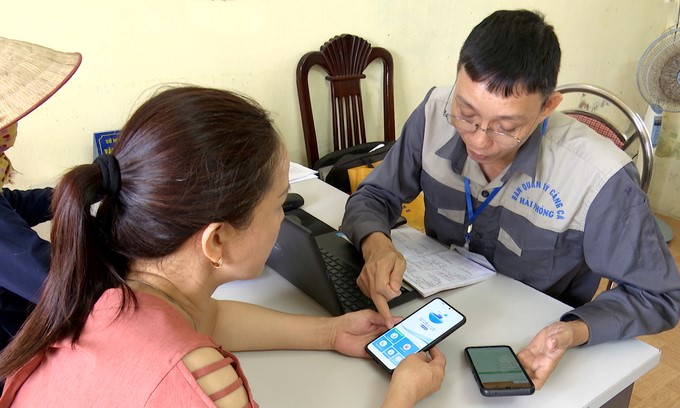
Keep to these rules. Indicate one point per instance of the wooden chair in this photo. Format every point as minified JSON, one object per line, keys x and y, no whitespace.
{"x":594,"y":109}
{"x":344,"y":59}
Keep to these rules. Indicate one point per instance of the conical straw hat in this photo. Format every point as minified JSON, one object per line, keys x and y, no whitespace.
{"x":29,"y":75}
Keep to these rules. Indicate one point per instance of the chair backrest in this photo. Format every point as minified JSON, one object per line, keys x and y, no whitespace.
{"x":631,"y":135}
{"x":344,"y":59}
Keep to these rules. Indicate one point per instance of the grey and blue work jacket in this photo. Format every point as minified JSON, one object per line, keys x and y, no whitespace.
{"x":570,"y":211}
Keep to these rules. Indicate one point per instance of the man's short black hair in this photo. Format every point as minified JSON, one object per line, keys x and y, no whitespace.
{"x":513,"y":52}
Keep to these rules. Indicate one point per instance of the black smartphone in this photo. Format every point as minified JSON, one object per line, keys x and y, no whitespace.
{"x":419,"y":331}
{"x":498,"y":371}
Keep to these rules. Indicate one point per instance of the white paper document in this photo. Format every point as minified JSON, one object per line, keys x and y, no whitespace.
{"x":299,"y":172}
{"x":431,"y":267}
{"x":474,"y":257}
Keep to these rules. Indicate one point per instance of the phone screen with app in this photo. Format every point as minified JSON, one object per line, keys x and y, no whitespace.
{"x":497,"y":371}
{"x":421,"y":330}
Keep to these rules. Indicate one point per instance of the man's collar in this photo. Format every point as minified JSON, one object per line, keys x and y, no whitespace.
{"x":454,"y":150}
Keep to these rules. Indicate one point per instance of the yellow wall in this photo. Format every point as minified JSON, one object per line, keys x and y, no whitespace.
{"x":130,"y":46}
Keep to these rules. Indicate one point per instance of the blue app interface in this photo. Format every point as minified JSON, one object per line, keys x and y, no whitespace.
{"x":415,"y":332}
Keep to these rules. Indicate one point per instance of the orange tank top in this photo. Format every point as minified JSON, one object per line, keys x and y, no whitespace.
{"x":134,"y":360}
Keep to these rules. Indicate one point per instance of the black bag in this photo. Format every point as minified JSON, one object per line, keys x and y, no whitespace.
{"x":333,"y":166}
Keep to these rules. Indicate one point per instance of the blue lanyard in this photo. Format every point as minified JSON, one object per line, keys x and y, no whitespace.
{"x":472,"y":214}
{"x":544,"y":126}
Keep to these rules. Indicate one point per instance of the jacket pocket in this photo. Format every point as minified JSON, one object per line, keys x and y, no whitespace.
{"x":526,"y":254}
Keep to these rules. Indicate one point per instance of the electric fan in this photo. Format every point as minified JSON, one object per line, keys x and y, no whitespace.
{"x":658,"y":79}
{"x":658,"y":72}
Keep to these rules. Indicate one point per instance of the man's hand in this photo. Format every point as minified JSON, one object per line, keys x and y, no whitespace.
{"x":383,"y":270}
{"x":546,"y":349}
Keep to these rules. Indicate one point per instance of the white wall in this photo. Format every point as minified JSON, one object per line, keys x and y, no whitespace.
{"x":130,"y":46}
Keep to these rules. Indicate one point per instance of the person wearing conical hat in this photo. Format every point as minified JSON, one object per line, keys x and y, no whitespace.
{"x":29,"y":75}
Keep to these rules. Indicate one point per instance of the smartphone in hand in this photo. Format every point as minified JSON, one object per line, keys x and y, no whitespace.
{"x":497,"y":371}
{"x":419,"y":331}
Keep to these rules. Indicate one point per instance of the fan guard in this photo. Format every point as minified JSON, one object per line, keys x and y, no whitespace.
{"x":658,"y":72}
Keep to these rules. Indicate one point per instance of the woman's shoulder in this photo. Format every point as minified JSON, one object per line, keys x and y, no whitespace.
{"x":159,"y":335}
{"x":139,"y":350}
{"x":205,"y":375}
{"x":157,"y":332}
{"x":219,"y":375}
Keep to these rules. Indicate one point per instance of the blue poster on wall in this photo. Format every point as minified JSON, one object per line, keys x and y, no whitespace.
{"x":104,"y":141}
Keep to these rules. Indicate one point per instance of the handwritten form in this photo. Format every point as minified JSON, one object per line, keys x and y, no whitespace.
{"x":432,"y":267}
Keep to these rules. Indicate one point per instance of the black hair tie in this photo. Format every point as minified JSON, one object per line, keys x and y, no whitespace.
{"x":110,"y":173}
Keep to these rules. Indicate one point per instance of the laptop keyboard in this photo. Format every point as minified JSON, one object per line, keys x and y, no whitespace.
{"x":351,"y":297}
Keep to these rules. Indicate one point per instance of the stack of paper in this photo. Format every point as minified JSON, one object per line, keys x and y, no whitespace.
{"x":299,"y":172}
{"x":431,"y":267}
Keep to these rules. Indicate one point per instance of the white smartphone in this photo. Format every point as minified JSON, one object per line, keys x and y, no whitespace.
{"x":498,"y":372}
{"x":420,"y":331}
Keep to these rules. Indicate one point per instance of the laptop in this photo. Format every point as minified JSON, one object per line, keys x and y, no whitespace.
{"x":323,"y":265}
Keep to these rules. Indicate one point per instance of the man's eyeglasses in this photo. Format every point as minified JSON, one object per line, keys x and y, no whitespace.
{"x":499,"y":136}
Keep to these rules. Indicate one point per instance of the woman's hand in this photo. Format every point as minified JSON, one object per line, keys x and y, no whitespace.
{"x":416,"y":377}
{"x":352,"y":331}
